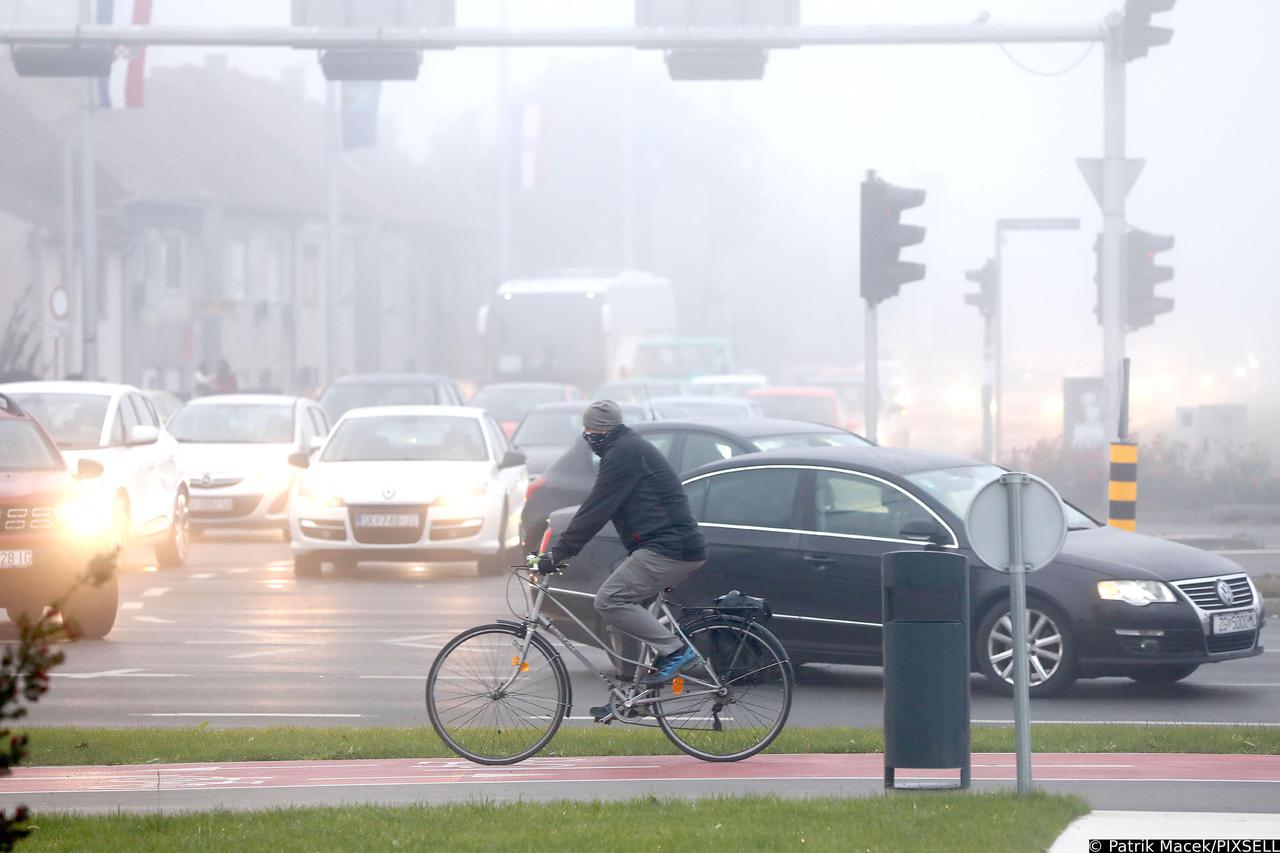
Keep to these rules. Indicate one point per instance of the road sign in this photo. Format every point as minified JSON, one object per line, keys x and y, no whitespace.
{"x":1043,"y":523}
{"x":59,"y":303}
{"x":1017,"y":524}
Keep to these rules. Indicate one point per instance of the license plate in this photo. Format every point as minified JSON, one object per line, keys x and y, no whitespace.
{"x":16,"y":559}
{"x":211,"y":504}
{"x":1233,"y":623}
{"x":387,"y":519}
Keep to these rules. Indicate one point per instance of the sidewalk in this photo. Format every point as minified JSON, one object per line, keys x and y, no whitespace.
{"x":1147,"y":825}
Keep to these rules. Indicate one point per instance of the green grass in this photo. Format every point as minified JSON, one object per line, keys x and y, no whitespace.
{"x":62,"y":746}
{"x":901,"y":821}
{"x":1268,"y":587}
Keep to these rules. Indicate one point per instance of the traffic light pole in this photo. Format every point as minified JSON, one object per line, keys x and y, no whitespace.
{"x":333,"y":260}
{"x":871,"y":378}
{"x":89,"y":291}
{"x":1116,"y":182}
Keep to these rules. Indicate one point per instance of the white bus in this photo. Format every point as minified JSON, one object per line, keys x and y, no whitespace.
{"x":575,"y":327}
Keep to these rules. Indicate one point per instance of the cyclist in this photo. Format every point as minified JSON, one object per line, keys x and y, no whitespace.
{"x":637,"y":489}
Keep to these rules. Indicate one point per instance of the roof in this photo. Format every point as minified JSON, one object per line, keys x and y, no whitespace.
{"x":392,"y":379}
{"x":707,"y":399}
{"x":67,"y":386}
{"x":792,"y":391}
{"x":586,"y":281}
{"x":729,"y":379}
{"x":891,"y":460}
{"x":745,"y":427}
{"x":517,"y":386}
{"x":579,"y":405}
{"x":246,"y":400}
{"x":413,"y":411}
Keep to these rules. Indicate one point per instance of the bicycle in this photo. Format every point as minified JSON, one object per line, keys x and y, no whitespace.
{"x":497,"y":693}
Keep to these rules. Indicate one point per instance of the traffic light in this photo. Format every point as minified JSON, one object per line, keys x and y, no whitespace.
{"x":1139,"y":35}
{"x":988,"y":280}
{"x":370,"y":64}
{"x":884,"y":237}
{"x":46,"y":60}
{"x":1142,"y":274}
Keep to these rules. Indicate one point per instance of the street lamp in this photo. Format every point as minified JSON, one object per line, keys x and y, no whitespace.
{"x":993,"y":438}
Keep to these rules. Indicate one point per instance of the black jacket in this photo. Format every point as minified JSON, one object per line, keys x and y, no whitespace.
{"x":637,"y":489}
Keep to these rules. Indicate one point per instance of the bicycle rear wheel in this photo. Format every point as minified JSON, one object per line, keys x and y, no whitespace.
{"x":749,"y":710}
{"x":480,"y":719}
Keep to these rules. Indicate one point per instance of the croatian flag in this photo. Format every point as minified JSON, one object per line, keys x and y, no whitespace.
{"x":124,"y":87}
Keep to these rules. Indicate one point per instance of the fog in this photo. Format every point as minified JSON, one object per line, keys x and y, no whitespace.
{"x":745,"y":194}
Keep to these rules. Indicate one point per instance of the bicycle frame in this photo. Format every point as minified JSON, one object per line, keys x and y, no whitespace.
{"x":535,"y":619}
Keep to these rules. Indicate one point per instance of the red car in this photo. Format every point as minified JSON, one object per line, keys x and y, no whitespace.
{"x":52,"y":523}
{"x":802,"y":403}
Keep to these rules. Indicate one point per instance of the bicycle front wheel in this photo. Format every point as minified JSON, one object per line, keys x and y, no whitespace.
{"x":492,"y":704}
{"x":750,"y":707}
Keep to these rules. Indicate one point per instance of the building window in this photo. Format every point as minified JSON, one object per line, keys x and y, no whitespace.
{"x":237,"y":275}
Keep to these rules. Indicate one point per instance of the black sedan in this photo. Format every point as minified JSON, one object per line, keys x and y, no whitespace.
{"x":807,"y":529}
{"x":688,"y":444}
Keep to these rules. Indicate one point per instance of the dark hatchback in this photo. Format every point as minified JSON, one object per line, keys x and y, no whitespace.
{"x":807,"y":529}
{"x":687,"y":444}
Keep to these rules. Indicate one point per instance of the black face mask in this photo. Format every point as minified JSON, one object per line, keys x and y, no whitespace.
{"x":596,"y":440}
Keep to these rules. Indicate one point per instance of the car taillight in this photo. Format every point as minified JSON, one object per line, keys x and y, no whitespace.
{"x":534,"y":484}
{"x":546,"y":540}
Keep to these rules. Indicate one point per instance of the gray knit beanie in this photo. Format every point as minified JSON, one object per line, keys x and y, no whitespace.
{"x":602,"y":415}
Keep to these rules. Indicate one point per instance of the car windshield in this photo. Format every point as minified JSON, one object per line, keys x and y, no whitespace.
{"x":817,"y":409}
{"x":340,"y":399}
{"x":232,"y":423}
{"x":73,"y":421}
{"x":407,"y":438}
{"x":512,"y":404}
{"x":956,"y":488}
{"x":549,"y":429}
{"x":788,"y":441}
{"x":704,"y":409}
{"x":23,"y":448}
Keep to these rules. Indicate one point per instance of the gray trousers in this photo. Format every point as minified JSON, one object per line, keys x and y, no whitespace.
{"x":620,"y":601}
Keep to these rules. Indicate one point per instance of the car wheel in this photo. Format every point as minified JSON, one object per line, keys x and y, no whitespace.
{"x":172,"y":552}
{"x":306,"y":566}
{"x":1051,"y":648}
{"x":1167,"y":674}
{"x":90,"y":611}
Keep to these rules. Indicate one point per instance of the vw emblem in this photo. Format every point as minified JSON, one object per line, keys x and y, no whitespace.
{"x":1225,"y":593}
{"x":388,"y":494}
{"x":206,"y":481}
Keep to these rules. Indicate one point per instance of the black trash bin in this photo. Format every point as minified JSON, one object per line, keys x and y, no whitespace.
{"x":926,"y":663}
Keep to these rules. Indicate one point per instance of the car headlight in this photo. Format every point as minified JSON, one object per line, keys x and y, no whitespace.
{"x":1137,"y":593}
{"x":318,"y":496}
{"x":460,"y":493}
{"x":85,"y":517}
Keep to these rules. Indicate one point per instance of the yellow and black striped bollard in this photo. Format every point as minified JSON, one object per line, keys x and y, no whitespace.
{"x":1123,"y":491}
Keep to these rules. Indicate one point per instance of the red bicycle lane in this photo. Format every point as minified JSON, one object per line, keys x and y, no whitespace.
{"x":1046,"y":767}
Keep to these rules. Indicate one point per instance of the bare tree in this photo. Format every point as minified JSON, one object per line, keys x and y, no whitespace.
{"x":20,"y":346}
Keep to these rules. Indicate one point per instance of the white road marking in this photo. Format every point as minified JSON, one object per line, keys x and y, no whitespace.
{"x":414,"y":641}
{"x":1172,"y":723}
{"x":405,"y":676}
{"x":118,"y":673}
{"x":155,"y":592}
{"x":184,"y":714}
{"x":201,"y":576}
{"x":155,"y":620}
{"x":262,"y":654}
{"x":131,"y":605}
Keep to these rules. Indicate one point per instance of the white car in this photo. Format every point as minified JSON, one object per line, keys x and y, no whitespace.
{"x":233,"y":452}
{"x":409,"y":484}
{"x":116,"y":426}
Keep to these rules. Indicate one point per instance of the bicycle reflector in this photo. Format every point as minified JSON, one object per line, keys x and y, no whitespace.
{"x":677,"y":684}
{"x":524,"y":667}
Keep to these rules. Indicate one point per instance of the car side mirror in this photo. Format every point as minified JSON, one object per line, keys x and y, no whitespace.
{"x":143,"y":434}
{"x":925,"y":530}
{"x":301,"y":459}
{"x":512,"y":458}
{"x":89,"y":469}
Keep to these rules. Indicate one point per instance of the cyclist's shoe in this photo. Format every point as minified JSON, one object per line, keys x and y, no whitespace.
{"x":669,"y":666}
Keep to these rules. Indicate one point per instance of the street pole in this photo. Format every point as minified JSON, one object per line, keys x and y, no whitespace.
{"x":871,"y":389}
{"x":997,"y":352}
{"x":506,"y":151}
{"x":1116,"y":181}
{"x":332,"y":259}
{"x":1018,"y":616}
{"x":61,"y":340}
{"x":88,"y":225}
{"x":628,"y":168}
{"x":988,"y":376}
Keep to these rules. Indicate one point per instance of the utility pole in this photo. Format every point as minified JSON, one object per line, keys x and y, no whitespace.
{"x":1118,"y":175}
{"x":89,"y":290}
{"x":333,"y":259}
{"x":506,"y":154}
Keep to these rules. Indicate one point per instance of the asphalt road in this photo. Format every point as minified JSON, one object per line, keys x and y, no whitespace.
{"x":232,"y":639}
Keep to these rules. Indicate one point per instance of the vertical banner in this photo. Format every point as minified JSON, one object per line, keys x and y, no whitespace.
{"x":124,"y":88}
{"x":359,"y":101}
